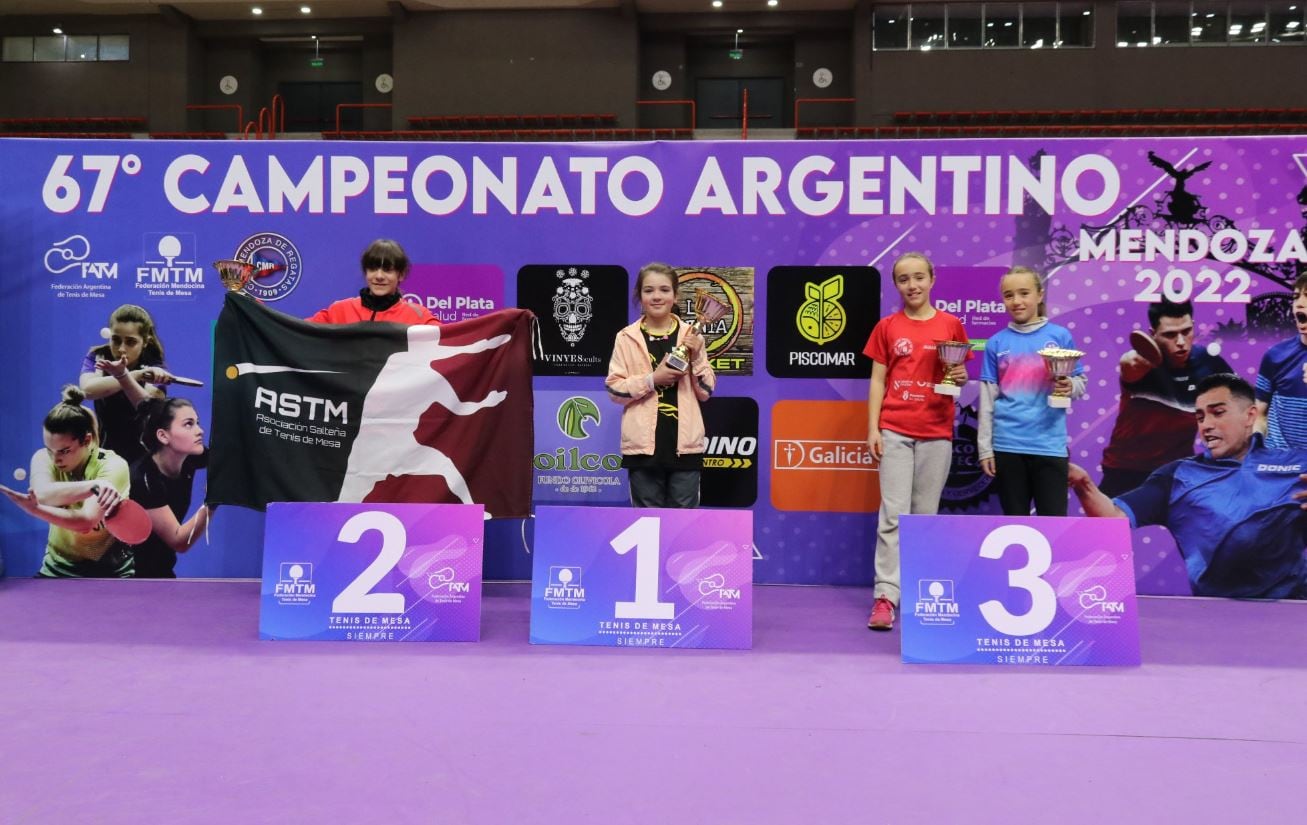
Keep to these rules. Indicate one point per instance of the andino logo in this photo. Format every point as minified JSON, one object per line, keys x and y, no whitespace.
{"x":572,"y":415}
{"x":277,"y":265}
{"x":820,"y":318}
{"x":295,"y":583}
{"x":564,"y":589}
{"x":573,"y":304}
{"x":71,"y":254}
{"x":169,"y":265}
{"x":935,"y":602}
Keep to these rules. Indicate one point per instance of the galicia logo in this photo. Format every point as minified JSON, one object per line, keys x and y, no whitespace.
{"x":71,"y":254}
{"x":573,"y":304}
{"x":277,"y":265}
{"x":820,"y":318}
{"x":806,"y":454}
{"x":572,"y":415}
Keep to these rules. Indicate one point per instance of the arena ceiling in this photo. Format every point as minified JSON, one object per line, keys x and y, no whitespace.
{"x":290,"y":9}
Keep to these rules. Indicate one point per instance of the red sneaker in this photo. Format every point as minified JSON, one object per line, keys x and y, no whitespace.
{"x":882,"y":615}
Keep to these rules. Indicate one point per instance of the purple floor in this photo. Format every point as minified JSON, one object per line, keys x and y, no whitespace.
{"x":131,"y":702}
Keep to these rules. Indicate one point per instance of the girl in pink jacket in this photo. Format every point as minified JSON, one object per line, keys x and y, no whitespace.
{"x":662,"y":427}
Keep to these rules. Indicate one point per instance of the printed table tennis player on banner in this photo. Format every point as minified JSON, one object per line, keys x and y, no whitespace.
{"x":371,"y":412}
{"x":1018,"y":591}
{"x":642,"y":577}
{"x":372,"y":572}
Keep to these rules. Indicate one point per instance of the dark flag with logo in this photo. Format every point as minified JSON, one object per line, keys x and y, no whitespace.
{"x":372,"y":411}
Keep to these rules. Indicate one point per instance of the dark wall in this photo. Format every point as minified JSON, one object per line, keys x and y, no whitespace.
{"x":152,"y":84}
{"x":1101,"y":77}
{"x":513,"y":62}
{"x":833,"y":51}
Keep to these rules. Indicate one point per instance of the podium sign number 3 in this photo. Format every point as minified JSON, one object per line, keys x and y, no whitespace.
{"x":1018,"y":591}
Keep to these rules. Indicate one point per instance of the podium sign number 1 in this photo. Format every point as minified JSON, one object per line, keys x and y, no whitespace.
{"x":626,"y":577}
{"x":642,"y":536}
{"x":1018,"y":591}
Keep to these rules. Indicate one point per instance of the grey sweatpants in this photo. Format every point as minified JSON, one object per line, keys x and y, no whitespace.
{"x":912,"y":476}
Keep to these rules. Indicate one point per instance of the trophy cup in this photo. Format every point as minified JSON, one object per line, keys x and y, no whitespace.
{"x":951,"y":354}
{"x":235,"y":274}
{"x":707,"y":310}
{"x":1061,"y":363}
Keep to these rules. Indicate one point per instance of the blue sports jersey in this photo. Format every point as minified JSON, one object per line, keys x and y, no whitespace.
{"x":1023,"y":421}
{"x":1281,"y":384}
{"x":1239,"y":530}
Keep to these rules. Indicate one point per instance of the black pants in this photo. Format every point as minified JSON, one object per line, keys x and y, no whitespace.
{"x":1024,"y":477}
{"x":654,"y":487}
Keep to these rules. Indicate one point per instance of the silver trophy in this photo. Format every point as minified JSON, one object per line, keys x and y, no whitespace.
{"x":235,"y":274}
{"x":707,"y":310}
{"x":1061,"y":363}
{"x":951,"y":354}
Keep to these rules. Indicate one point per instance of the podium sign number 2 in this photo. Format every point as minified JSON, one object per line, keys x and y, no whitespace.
{"x":1018,"y":591}
{"x":372,"y":572}
{"x":626,"y":577}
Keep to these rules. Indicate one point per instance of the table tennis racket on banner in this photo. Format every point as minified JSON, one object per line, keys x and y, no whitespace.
{"x":1143,"y":343}
{"x":187,"y":382}
{"x":129,"y":523}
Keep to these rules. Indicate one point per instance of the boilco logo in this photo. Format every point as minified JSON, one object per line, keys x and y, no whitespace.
{"x":572,"y":415}
{"x":169,"y":265}
{"x":72,"y":254}
{"x":277,"y":265}
{"x":573,"y":304}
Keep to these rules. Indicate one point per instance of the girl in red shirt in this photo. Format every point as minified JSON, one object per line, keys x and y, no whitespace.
{"x":385,"y":266}
{"x":910,"y":426}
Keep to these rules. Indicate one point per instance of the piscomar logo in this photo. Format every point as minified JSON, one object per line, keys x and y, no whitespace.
{"x":820,"y":318}
{"x":820,"y":458}
{"x":277,"y":265}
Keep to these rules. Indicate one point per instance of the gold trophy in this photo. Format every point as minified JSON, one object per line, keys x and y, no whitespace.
{"x":1061,"y":363}
{"x":235,"y":274}
{"x":951,"y":354}
{"x":707,"y":310}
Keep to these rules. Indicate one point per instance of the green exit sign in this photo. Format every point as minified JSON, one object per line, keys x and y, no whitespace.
{"x":737,"y":54}
{"x":315,"y":62}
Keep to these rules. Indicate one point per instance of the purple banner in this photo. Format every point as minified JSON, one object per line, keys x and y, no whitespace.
{"x":797,"y":238}
{"x":995,"y":590}
{"x":372,"y":572}
{"x":628,"y":577}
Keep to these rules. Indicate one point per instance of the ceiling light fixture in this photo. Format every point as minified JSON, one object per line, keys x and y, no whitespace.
{"x":57,"y":30}
{"x":773,"y":3}
{"x":256,"y":11}
{"x":305,"y":10}
{"x":716,"y":4}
